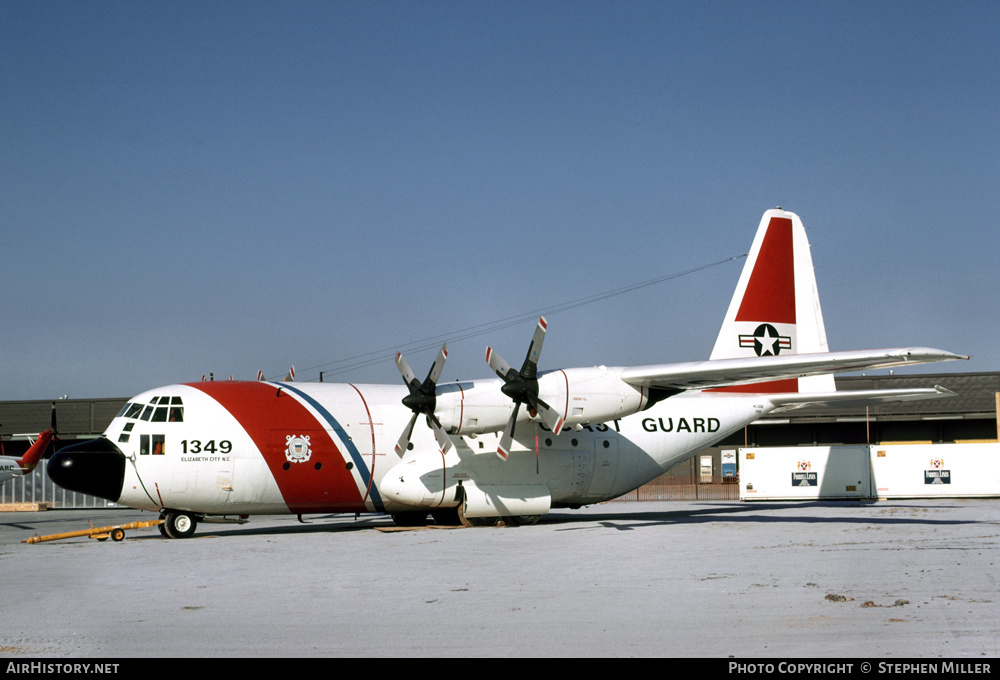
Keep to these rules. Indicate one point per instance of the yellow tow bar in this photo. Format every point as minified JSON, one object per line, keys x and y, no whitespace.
{"x":115,"y":533}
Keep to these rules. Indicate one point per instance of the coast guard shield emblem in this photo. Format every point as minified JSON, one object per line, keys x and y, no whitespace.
{"x":298,"y":448}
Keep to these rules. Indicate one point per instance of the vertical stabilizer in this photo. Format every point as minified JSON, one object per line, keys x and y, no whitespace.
{"x":775,"y":309}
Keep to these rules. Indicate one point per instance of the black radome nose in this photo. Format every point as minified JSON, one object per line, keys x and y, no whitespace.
{"x":95,"y":467}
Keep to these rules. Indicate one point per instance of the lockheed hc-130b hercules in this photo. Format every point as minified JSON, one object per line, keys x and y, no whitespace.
{"x":514,"y":446}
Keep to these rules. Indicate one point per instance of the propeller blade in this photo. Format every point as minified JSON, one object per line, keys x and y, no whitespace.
{"x":437,"y":366}
{"x":530,"y":367}
{"x":507,"y":438}
{"x":443,"y":440}
{"x":496,"y":362}
{"x":405,"y":371}
{"x":550,"y":416}
{"x":404,"y":439}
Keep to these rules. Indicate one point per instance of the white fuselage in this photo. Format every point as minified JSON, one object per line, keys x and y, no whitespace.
{"x":262,"y":448}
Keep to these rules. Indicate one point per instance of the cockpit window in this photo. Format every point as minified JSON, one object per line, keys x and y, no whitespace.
{"x":159,"y":410}
{"x":129,"y":410}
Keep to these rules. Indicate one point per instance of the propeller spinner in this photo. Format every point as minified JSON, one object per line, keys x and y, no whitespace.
{"x":422,"y":400}
{"x":522,"y":387}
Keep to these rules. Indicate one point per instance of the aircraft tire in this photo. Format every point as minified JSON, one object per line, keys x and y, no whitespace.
{"x":522,"y":520}
{"x":446,"y":517}
{"x":475,"y":521}
{"x":409,"y":519}
{"x":180,"y":524}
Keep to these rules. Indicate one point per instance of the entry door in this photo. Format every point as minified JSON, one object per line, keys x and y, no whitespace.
{"x":248,"y":479}
{"x":605,"y":467}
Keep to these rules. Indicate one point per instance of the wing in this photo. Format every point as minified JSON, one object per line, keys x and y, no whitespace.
{"x":700,"y":375}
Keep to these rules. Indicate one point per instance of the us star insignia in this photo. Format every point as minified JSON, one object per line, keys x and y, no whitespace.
{"x":766,"y":341}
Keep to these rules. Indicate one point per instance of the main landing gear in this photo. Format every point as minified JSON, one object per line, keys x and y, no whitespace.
{"x":455,"y":517}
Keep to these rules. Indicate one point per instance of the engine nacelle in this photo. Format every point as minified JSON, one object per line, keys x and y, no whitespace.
{"x":473,"y":407}
{"x":420,"y":481}
{"x":583,"y":396}
{"x":588,"y":396}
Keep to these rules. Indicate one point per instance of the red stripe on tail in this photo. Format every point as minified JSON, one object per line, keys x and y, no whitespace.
{"x":770,"y":293}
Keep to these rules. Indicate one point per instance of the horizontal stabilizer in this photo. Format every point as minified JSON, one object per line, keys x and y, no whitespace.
{"x":700,"y":375}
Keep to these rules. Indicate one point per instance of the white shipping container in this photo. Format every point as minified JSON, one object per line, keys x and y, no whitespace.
{"x":804,"y":472}
{"x":935,"y":470}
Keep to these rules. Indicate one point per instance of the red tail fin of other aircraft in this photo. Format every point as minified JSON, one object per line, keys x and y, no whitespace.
{"x":34,"y":454}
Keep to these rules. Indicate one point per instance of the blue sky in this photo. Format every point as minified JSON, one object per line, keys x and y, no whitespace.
{"x":231,"y":186}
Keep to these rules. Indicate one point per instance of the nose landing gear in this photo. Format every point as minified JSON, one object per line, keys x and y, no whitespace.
{"x":178,"y":524}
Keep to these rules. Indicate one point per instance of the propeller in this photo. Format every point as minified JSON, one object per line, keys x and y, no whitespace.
{"x":55,"y":430}
{"x":422,"y":399}
{"x":522,"y":387}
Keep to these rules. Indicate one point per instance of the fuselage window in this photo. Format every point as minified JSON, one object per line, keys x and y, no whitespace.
{"x":160,"y":414}
{"x":152,"y":444}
